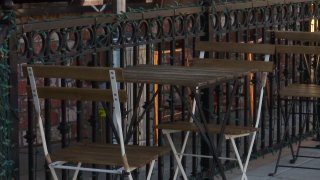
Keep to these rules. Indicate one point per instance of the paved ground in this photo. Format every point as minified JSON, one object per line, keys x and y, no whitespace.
{"x":260,"y":168}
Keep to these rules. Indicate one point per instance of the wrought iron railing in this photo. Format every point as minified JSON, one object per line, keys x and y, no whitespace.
{"x":157,"y":36}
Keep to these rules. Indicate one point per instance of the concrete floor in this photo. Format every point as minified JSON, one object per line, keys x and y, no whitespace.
{"x":260,"y":168}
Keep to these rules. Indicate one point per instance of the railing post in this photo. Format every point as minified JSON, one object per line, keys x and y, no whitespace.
{"x":206,"y":165}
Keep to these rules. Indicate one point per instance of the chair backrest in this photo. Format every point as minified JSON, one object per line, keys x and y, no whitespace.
{"x":303,"y":45}
{"x":82,"y":73}
{"x":296,"y":36}
{"x":252,"y":65}
{"x":228,"y":47}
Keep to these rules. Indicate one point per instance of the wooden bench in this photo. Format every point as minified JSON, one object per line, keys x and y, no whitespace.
{"x":120,"y":157}
{"x":229,"y":131}
{"x":299,"y":46}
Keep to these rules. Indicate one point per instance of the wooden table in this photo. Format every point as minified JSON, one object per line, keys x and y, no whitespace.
{"x":181,"y":75}
{"x":194,"y":78}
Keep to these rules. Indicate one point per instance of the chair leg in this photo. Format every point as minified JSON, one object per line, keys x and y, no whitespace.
{"x":75,"y":175}
{"x":244,"y":176}
{"x":53,"y":173}
{"x":130,"y":176}
{"x":295,"y":157}
{"x":150,"y":169}
{"x":182,"y":151}
{"x":249,"y":153}
{"x":282,"y":142}
{"x":175,"y":154}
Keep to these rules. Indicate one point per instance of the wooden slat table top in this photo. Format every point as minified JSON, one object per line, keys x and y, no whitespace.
{"x":180,"y":75}
{"x":301,"y":90}
{"x":109,"y":154}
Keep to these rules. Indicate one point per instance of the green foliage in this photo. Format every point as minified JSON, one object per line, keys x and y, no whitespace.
{"x":6,"y":162}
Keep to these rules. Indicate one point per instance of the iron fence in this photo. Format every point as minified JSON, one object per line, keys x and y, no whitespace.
{"x":157,"y":36}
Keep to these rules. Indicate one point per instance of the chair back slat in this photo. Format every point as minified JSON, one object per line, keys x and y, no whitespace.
{"x":262,"y":65}
{"x":254,"y":66}
{"x":294,"y":49}
{"x":100,"y":74}
{"x":74,"y":72}
{"x":79,"y":94}
{"x":234,"y":47}
{"x":297,"y":36}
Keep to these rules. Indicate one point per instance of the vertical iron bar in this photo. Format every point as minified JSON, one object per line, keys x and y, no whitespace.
{"x":47,"y":114}
{"x":63,"y":123}
{"x":183,"y":93}
{"x":228,"y":91}
{"x":160,"y":139}
{"x":94,"y":112}
{"x":79,"y":107}
{"x":206,"y":99}
{"x":148,"y":116}
{"x":194,"y":135}
{"x":278,"y":80}
{"x":172,"y":101}
{"x":136,"y":101}
{"x":271,"y":93}
{"x":122,"y":62}
{"x":109,"y":132}
{"x":63,"y":126}
{"x":246,"y":99}
{"x":30,"y":135}
{"x":47,"y":126}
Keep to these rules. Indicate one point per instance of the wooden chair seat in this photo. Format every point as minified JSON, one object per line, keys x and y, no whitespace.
{"x":212,"y":128}
{"x":108,"y":154}
{"x":301,"y":90}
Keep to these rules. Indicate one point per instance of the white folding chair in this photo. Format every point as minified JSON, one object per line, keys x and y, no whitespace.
{"x":231,"y":132}
{"x":122,"y":159}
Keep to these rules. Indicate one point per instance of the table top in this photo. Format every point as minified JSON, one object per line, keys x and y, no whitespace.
{"x":180,"y":75}
{"x":301,"y":90}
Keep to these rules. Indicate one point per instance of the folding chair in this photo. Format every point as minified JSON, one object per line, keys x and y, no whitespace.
{"x":304,"y":48}
{"x":122,"y":159}
{"x":231,"y":132}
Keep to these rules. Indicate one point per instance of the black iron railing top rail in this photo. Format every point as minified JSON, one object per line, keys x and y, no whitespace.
{"x":96,"y":33}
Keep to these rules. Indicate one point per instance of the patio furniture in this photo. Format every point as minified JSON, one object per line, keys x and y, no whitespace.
{"x":226,"y":66}
{"x":304,"y":48}
{"x":191,"y":77}
{"x":121,"y":158}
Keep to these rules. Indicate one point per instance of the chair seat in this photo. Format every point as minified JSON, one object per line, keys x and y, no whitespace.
{"x":109,"y":154}
{"x":212,"y":128}
{"x":301,"y":90}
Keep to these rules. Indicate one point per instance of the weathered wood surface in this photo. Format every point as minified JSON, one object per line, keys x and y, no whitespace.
{"x":296,"y":49}
{"x":301,"y":90}
{"x":109,"y":154}
{"x":235,"y":65}
{"x":74,"y":72}
{"x":212,"y":128}
{"x":297,"y":36}
{"x":180,"y":75}
{"x":234,"y":47}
